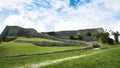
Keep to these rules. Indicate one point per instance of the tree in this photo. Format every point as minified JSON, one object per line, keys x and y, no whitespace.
{"x":97,"y":35}
{"x":51,"y":33}
{"x":73,"y":38}
{"x":104,"y":37}
{"x":116,"y":36}
{"x":0,"y":40}
{"x":88,"y":34}
{"x":80,"y":37}
{"x":110,"y":41}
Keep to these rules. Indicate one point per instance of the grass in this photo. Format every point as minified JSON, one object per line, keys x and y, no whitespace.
{"x":12,"y":48}
{"x":102,"y":58}
{"x":38,"y":39}
{"x":26,"y":61}
{"x":107,"y":58}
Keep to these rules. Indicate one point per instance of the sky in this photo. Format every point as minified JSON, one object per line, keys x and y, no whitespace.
{"x":58,"y":15}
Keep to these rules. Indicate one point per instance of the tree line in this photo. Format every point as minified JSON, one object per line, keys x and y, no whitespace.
{"x":103,"y":37}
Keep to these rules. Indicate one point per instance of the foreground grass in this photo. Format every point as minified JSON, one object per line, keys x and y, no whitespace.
{"x":107,"y":58}
{"x":12,"y":48}
{"x":26,"y":61}
{"x":38,"y":39}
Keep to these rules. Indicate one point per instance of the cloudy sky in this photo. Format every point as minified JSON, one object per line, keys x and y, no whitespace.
{"x":57,"y":15}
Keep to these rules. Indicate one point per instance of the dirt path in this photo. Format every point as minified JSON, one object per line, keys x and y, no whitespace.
{"x":56,"y":61}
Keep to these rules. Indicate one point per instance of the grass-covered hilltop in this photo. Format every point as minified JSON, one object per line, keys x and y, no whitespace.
{"x":89,"y":48}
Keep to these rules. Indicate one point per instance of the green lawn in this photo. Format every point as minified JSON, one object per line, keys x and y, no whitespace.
{"x":12,"y":48}
{"x":107,"y":58}
{"x":23,"y":61}
{"x":104,"y":58}
{"x":38,"y":39}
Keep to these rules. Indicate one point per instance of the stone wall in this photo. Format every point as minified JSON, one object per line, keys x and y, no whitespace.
{"x":16,"y":31}
{"x":67,"y":34}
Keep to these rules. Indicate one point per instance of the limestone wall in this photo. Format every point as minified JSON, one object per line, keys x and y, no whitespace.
{"x":67,"y":34}
{"x":18,"y":31}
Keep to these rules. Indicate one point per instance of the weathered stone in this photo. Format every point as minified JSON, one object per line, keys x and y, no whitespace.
{"x":15,"y":31}
{"x":83,"y":33}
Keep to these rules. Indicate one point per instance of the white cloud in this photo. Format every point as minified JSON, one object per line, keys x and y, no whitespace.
{"x":92,"y":15}
{"x":18,"y":20}
{"x":99,"y":13}
{"x":71,"y":25}
{"x":113,"y":4}
{"x":12,"y":3}
{"x":7,"y":3}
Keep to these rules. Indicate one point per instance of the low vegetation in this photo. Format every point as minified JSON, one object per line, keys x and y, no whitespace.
{"x":12,"y":48}
{"x":26,"y":61}
{"x":107,"y":58}
{"x":38,"y":39}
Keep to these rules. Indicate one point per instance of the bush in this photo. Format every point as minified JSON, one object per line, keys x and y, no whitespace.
{"x":105,"y":37}
{"x":95,"y":45}
{"x":73,"y":38}
{"x":80,"y":37}
{"x":10,"y":38}
{"x":51,"y":33}
{"x":0,"y":41}
{"x":116,"y":36}
{"x":110,"y":41}
{"x":89,"y":34}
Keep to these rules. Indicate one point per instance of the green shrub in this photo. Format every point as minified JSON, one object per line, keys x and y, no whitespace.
{"x":110,"y":41}
{"x":51,"y":33}
{"x":116,"y":36}
{"x":89,"y":34}
{"x":10,"y":38}
{"x":73,"y":38}
{"x":0,"y":41}
{"x":104,"y":37}
{"x":80,"y":37}
{"x":96,"y":45}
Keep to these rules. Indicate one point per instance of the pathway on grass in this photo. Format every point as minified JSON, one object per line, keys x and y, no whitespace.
{"x":56,"y":61}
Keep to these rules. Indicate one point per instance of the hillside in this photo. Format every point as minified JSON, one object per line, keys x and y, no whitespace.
{"x":107,"y":58}
{"x":26,"y":48}
{"x":90,"y":58}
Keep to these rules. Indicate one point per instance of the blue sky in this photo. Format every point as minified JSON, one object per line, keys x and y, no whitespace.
{"x":57,"y":15}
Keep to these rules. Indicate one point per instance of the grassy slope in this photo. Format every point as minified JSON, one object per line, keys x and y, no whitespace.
{"x":12,"y":48}
{"x":108,"y":58}
{"x":38,"y":39}
{"x":24,"y":61}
